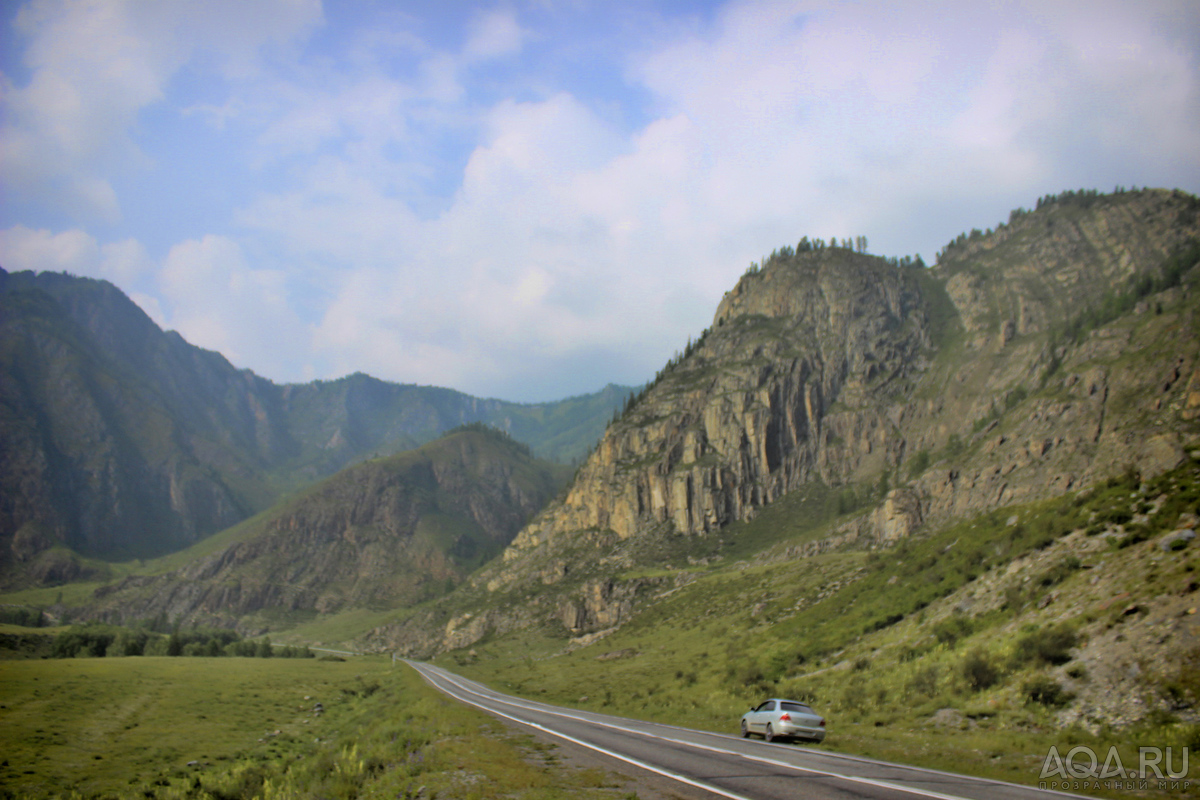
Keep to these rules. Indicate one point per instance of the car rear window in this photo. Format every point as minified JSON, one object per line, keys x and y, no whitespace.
{"x":797,"y":707}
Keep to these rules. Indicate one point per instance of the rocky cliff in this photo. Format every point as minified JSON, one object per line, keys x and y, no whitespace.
{"x":1028,"y":361}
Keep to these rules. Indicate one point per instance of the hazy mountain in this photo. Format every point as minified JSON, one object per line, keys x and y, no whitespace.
{"x":385,"y":533}
{"x":120,"y":440}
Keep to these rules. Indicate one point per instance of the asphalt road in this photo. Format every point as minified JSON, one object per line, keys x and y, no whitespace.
{"x":728,"y":766}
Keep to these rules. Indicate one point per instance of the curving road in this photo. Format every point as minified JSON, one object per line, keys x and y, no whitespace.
{"x":727,"y":766}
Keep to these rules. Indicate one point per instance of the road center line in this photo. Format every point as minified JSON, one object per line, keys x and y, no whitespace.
{"x":450,"y":678}
{"x":627,"y":759}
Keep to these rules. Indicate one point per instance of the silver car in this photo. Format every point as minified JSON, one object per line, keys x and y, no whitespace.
{"x":784,"y":719}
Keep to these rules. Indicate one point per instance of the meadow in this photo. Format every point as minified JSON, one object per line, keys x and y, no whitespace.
{"x":224,"y":728}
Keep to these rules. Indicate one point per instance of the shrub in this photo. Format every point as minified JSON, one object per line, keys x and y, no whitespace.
{"x":953,"y":628}
{"x":83,"y":641}
{"x":26,"y":617}
{"x":1014,"y":598}
{"x":925,"y":681}
{"x":1118,"y":516}
{"x":979,"y":670}
{"x":1046,"y":691}
{"x":919,"y":463}
{"x":1049,"y":645}
{"x":1060,"y":571}
{"x":131,"y":643}
{"x":886,"y":622}
{"x":1135,"y":534}
{"x":750,"y":675}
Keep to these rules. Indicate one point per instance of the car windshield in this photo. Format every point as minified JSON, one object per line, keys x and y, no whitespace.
{"x":800,"y":707}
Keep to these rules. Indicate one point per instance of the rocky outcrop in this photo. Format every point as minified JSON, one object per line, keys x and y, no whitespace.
{"x":1019,"y":367}
{"x":787,"y":387}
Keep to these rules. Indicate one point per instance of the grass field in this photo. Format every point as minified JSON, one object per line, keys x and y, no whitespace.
{"x":226,"y":728}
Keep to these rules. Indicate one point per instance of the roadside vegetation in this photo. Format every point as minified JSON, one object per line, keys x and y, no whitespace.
{"x":218,"y":728}
{"x":972,"y":649}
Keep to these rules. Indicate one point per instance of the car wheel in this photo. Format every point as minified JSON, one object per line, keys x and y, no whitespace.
{"x":745,"y":730}
{"x":769,"y":735}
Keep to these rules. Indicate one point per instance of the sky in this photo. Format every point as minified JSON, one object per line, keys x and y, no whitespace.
{"x":529,"y":200}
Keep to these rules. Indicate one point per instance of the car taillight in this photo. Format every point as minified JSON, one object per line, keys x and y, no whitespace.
{"x":822,"y":723}
{"x":785,"y":717}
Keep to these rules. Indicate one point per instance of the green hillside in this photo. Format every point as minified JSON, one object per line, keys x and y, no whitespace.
{"x":387,"y":533}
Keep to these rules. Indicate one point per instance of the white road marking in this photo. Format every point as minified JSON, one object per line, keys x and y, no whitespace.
{"x":643,"y":765}
{"x":447,"y":677}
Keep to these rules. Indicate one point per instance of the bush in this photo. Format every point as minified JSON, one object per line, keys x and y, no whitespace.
{"x":25,"y":616}
{"x":83,"y":641}
{"x":1050,"y":645}
{"x":979,"y":670}
{"x":130,"y":643}
{"x":294,"y":652}
{"x":1060,"y":571}
{"x":1014,"y":598}
{"x":1046,"y":691}
{"x":918,"y":463}
{"x":925,"y":681}
{"x":1134,"y":534}
{"x":953,"y":628}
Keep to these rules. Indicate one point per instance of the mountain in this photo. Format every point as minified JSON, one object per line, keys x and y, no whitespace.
{"x":386,"y":533}
{"x":1030,"y":361}
{"x":123,"y":441}
{"x":953,"y":507}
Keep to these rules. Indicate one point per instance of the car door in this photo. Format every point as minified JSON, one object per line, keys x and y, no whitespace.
{"x":761,"y":716}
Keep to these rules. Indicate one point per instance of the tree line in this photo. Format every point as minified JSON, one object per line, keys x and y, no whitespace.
{"x":100,"y":641}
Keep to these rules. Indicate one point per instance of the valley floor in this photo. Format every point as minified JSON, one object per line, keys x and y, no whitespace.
{"x":159,"y":727}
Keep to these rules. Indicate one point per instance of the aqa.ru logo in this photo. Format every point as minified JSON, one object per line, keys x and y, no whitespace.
{"x":1081,"y":763}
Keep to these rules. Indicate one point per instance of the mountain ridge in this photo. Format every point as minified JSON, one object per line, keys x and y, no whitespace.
{"x":914,"y":428}
{"x":385,"y":533}
{"x":121,"y":440}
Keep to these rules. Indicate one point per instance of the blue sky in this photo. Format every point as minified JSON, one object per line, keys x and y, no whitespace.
{"x":528,"y":200}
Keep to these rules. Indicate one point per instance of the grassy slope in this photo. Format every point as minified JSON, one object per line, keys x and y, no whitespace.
{"x":873,"y":639}
{"x":437,"y":530}
{"x":129,"y":727}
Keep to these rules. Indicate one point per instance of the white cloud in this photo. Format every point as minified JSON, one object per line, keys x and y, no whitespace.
{"x":218,"y":301}
{"x":493,"y":34}
{"x":95,"y":65}
{"x":124,"y":263}
{"x":71,"y":251}
{"x":456,"y":214}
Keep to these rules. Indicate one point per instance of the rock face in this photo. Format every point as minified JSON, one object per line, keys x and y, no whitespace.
{"x":1029,"y":361}
{"x":390,"y":532}
{"x":122,"y":441}
{"x":755,"y":409}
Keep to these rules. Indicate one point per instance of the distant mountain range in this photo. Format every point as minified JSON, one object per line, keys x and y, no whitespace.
{"x":120,"y":440}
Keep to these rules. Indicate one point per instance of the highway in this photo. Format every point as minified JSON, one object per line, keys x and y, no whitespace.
{"x":726,"y":766}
